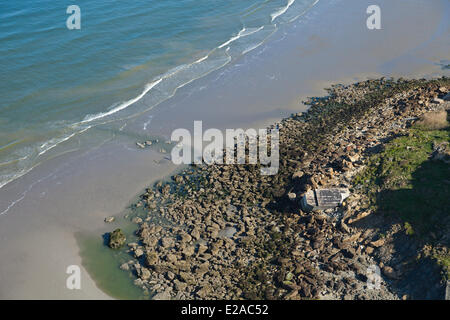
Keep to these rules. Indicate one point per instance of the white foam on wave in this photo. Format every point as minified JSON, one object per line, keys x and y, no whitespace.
{"x":252,"y":48}
{"x":122,"y":106}
{"x":282,"y":10}
{"x":243,"y":33}
{"x":202,"y":59}
{"x":148,"y":87}
{"x":304,"y":12}
{"x":234,"y":38}
{"x":45,"y":147}
{"x":89,"y":118}
{"x":25,"y":192}
{"x":54,"y":142}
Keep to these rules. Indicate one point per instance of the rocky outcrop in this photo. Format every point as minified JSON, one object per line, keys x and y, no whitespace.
{"x":226,"y":232}
{"x":116,"y":239}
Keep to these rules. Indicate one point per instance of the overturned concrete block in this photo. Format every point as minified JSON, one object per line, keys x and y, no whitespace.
{"x":322,"y":199}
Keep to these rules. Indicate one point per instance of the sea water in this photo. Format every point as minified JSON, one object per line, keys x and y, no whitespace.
{"x":58,"y":84}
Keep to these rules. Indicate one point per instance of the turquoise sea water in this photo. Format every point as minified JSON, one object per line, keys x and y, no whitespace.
{"x":127,"y":57}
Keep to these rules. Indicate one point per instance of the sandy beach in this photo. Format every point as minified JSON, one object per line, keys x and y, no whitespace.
{"x":73,"y":193}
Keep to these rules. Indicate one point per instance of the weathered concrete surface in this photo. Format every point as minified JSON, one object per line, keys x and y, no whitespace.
{"x":322,"y":199}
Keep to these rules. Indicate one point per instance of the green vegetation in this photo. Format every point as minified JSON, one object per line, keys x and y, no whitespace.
{"x":403,"y":181}
{"x":409,"y":229}
{"x":444,"y":262}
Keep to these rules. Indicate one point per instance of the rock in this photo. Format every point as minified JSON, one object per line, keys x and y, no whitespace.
{"x":167,"y":242}
{"x":322,"y":199}
{"x":204,"y":291}
{"x":125,"y":266}
{"x":186,"y":277}
{"x":151,"y":258}
{"x":437,"y":100}
{"x":178,"y":179}
{"x":214,"y":249}
{"x":378,"y":243}
{"x":289,"y":276}
{"x":184,"y":237}
{"x":170,"y":275}
{"x":360,"y":216}
{"x":369,"y":250}
{"x":179,"y":285}
{"x":195,"y":234}
{"x":138,"y":253}
{"x":204,"y":267}
{"x":116,"y":239}
{"x":297,"y":175}
{"x":344,"y":226}
{"x":202,"y":248}
{"x":353,"y":158}
{"x":165,"y":295}
{"x":390,"y":273}
{"x":144,"y":274}
{"x":292,"y":196}
{"x":137,"y":220}
{"x":352,"y":238}
{"x":189,"y":251}
{"x":109,"y":219}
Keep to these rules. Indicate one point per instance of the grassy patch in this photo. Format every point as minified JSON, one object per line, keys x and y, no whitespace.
{"x":403,"y":181}
{"x":444,"y":262}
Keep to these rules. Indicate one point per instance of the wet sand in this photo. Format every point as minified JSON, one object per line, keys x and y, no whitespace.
{"x":73,"y":193}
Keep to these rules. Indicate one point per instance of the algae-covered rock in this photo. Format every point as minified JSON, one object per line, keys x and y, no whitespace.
{"x":116,"y":239}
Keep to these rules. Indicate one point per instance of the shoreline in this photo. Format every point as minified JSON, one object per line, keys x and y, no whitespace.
{"x":212,"y":232}
{"x":98,"y":183}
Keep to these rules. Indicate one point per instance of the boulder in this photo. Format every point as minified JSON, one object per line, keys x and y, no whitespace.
{"x":292,"y":196}
{"x":151,"y":258}
{"x":116,"y":239}
{"x":380,"y":242}
{"x":109,"y":219}
{"x":165,"y":295}
{"x":138,"y":253}
{"x":144,"y":274}
{"x":167,"y":242}
{"x":390,"y":273}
